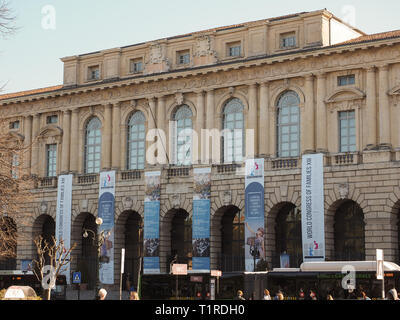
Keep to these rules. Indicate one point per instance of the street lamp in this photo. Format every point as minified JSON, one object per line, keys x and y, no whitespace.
{"x":98,"y":241}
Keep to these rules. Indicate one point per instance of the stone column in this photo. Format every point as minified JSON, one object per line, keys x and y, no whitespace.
{"x":150,"y":157}
{"x":74,"y":149}
{"x":321,"y":120}
{"x":307,"y":123}
{"x":252,"y":122}
{"x":35,"y":145}
{"x":370,"y":129}
{"x":106,"y":138}
{"x":263,"y":126}
{"x":116,"y":148}
{"x":162,"y":132}
{"x":199,"y":126}
{"x":384,"y":110}
{"x":210,"y":124}
{"x":27,"y":142}
{"x":66,"y":141}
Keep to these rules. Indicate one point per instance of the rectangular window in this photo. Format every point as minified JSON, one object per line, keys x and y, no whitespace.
{"x":14,"y":125}
{"x":347,"y":131}
{"x":234,"y":49}
{"x":183,"y":57}
{"x":136,"y":65}
{"x":51,"y":156}
{"x":346,"y":80}
{"x":288,"y":40}
{"x":94,"y":73}
{"x":52,"y":119}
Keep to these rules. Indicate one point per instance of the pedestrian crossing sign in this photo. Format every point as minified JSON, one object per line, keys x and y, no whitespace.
{"x":76,"y":277}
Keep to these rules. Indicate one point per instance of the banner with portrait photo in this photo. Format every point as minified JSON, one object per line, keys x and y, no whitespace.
{"x":151,"y":235}
{"x":63,"y":215}
{"x":201,"y":219}
{"x":107,"y":213}
{"x":254,"y":216}
{"x":312,"y":208}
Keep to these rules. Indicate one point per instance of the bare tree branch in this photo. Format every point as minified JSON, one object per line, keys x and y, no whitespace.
{"x":7,"y":19}
{"x":57,"y":254}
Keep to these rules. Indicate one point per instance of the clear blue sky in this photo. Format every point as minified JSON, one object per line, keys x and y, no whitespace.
{"x":30,"y":59}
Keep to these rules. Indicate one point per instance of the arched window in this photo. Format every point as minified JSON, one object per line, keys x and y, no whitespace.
{"x":288,"y":125}
{"x":233,"y":137}
{"x":288,"y":236}
{"x":183,"y":121}
{"x":349,"y":232}
{"x":136,"y":141}
{"x":93,"y":146}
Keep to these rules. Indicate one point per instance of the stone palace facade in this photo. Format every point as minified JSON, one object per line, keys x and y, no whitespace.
{"x":302,"y":83}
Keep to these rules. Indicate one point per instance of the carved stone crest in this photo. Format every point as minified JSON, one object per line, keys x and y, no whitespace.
{"x":343,"y":190}
{"x":227,"y":198}
{"x":176,"y":201}
{"x":84,"y":205}
{"x":179,"y":98}
{"x":203,"y":46}
{"x":43,"y":207}
{"x":156,"y":53}
{"x":127,"y":203}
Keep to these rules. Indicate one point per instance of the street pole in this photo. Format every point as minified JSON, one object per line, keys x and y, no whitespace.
{"x":176,"y":289}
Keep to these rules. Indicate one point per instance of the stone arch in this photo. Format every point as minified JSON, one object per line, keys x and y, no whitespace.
{"x":330,"y":221}
{"x":271,"y":217}
{"x":217,"y":258}
{"x":175,"y":105}
{"x":166,"y":228}
{"x":126,"y":224}
{"x":126,"y":113}
{"x":84,"y":261}
{"x":87,"y":115}
{"x":281,"y":90}
{"x":345,"y":94}
{"x":45,"y":226}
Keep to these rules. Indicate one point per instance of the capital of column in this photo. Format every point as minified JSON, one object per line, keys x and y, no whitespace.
{"x":75,"y":111}
{"x":383,"y":67}
{"x":370,"y":69}
{"x":309,"y":77}
{"x":321,"y":75}
{"x":264,"y":84}
{"x":67,"y":112}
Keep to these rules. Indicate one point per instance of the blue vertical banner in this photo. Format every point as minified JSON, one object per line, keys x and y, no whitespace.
{"x":312,"y":207}
{"x":151,"y":235}
{"x":63,"y":216}
{"x":107,"y":213}
{"x":201,"y":220}
{"x":254,"y":214}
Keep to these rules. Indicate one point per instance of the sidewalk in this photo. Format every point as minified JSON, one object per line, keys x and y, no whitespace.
{"x":72,"y":294}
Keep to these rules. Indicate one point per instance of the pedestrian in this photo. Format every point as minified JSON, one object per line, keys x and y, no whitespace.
{"x":364,"y":296}
{"x":134,"y":295}
{"x":301,"y":294}
{"x":279,"y":296}
{"x":312,"y":295}
{"x":392,"y":294}
{"x":239,"y":295}
{"x":267,"y":296}
{"x":102,"y":294}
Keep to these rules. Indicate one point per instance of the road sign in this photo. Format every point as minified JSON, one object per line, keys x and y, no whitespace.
{"x":179,"y":269}
{"x":216,"y":273}
{"x":76,"y":277}
{"x":379,"y":264}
